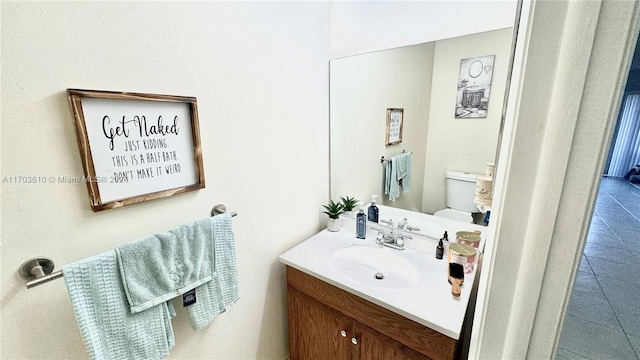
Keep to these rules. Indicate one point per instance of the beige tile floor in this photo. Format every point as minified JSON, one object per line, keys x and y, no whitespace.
{"x":603,"y":317}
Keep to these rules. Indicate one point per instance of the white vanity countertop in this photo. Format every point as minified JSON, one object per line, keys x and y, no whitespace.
{"x":428,"y":302}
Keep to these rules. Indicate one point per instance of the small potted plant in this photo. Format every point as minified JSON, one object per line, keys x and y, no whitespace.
{"x":349,"y":204}
{"x":334,"y":210}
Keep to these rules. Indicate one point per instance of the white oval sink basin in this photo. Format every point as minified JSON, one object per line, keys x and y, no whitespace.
{"x":377,"y":267}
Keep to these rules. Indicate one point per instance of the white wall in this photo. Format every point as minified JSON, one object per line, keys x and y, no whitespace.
{"x":362,"y":88}
{"x":364,"y":26}
{"x":259,"y":71}
{"x":465,"y":144}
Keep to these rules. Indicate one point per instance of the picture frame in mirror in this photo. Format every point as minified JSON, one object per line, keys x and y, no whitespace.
{"x":394,"y":126}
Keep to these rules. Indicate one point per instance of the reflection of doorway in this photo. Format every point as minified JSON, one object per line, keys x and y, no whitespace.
{"x":603,"y":315}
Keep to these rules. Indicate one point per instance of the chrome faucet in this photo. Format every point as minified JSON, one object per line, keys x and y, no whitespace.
{"x":391,"y":240}
{"x":404,"y":224}
{"x":413,"y":228}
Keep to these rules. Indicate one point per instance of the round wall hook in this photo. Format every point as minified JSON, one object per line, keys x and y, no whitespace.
{"x":36,"y":268}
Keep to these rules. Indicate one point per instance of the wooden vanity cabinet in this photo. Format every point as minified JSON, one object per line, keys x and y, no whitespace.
{"x":326,"y":322}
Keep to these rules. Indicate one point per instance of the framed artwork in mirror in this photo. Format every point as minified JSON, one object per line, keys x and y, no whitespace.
{"x":474,"y":87}
{"x":136,"y":147}
{"x":394,"y":126}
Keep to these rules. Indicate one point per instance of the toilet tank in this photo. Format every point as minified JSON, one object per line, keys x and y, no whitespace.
{"x":461,"y":189}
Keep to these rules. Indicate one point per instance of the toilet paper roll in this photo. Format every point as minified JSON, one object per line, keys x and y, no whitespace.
{"x":484,"y":190}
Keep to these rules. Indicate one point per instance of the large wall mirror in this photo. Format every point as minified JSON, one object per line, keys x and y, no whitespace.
{"x":425,"y":81}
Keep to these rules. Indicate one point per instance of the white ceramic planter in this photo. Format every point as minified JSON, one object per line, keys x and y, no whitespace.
{"x":334,"y":224}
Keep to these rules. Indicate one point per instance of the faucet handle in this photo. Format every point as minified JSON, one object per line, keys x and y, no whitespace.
{"x":401,"y":238}
{"x":380,"y":236}
{"x":388,"y":222}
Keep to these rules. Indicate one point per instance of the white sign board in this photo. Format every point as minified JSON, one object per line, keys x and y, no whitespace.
{"x":136,"y":147}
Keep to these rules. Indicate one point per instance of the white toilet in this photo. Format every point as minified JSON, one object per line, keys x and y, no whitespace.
{"x":460,"y":191}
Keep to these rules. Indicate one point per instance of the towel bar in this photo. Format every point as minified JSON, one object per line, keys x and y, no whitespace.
{"x":382,"y":159}
{"x":221,"y":209}
{"x":37,"y":271}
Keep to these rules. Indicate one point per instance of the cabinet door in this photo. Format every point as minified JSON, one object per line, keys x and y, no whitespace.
{"x":318,"y":311}
{"x":316,"y":331}
{"x":373,"y":345}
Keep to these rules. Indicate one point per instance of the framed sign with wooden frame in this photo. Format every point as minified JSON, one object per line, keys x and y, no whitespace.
{"x":394,"y":126}
{"x":136,"y":147}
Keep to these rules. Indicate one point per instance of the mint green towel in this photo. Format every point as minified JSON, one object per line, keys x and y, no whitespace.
{"x":108,"y":329}
{"x":220,"y":294}
{"x":398,"y":175}
{"x":403,"y":171}
{"x":392,"y":185}
{"x":162,"y":266}
{"x":199,"y":255}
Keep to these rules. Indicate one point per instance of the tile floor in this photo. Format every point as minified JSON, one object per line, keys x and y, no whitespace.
{"x":603,"y":317}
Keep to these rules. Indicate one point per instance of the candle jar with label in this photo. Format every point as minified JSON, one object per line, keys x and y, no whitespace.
{"x":464,"y":255}
{"x":468,"y":238}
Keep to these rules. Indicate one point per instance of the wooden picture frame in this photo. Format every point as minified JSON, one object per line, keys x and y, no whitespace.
{"x":136,"y":147}
{"x":394,"y":126}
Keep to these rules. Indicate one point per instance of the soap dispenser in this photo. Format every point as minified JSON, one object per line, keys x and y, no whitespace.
{"x":373,"y":209}
{"x":361,"y":224}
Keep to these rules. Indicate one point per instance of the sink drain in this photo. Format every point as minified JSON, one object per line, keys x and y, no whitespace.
{"x":378,"y":276}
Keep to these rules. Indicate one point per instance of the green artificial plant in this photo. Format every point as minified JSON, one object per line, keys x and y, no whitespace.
{"x":349,"y":203}
{"x":333,"y":209}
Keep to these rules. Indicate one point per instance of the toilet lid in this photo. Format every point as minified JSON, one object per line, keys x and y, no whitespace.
{"x":453,"y":214}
